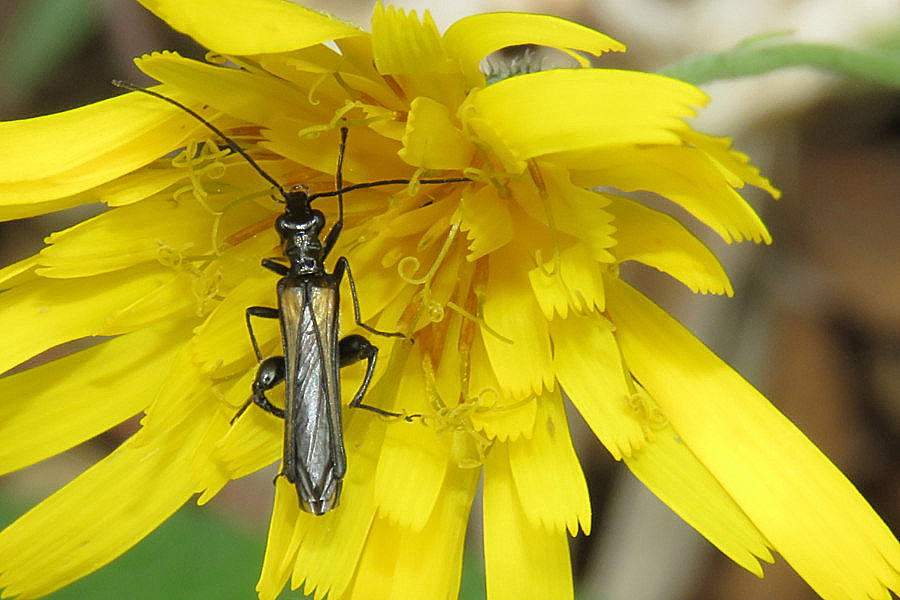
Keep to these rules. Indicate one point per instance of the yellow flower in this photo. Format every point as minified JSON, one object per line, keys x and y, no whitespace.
{"x":507,"y":287}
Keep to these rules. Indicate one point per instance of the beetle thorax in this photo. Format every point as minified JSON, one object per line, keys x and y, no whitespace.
{"x":300,"y":241}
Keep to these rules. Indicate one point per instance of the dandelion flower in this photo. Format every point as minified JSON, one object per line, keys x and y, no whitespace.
{"x":506,"y":287}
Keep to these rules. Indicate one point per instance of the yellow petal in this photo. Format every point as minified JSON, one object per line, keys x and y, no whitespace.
{"x":684,"y":175}
{"x":496,"y":415}
{"x":413,"y":461}
{"x":435,"y":553}
{"x":98,"y":245}
{"x":58,"y":155}
{"x":511,"y":311}
{"x":401,"y":43}
{"x":183,"y":390}
{"x":100,"y":514}
{"x":133,"y":187}
{"x":734,"y":165}
{"x":583,"y":110}
{"x":589,"y":367}
{"x":397,"y":560}
{"x":472,"y":38}
{"x":175,"y":299}
{"x":656,"y":239}
{"x":250,"y":26}
{"x":327,"y":567}
{"x":358,"y":67}
{"x":576,"y":211}
{"x":521,"y":560}
{"x":31,"y":200}
{"x":249,"y":96}
{"x":285,"y":529}
{"x":548,"y":477}
{"x":675,"y":476}
{"x":487,"y":219}
{"x":806,"y":508}
{"x":64,"y":402}
{"x":39,"y":315}
{"x":504,"y":421}
{"x":222,"y":344}
{"x":410,"y":51}
{"x":19,"y":272}
{"x":489,"y":137}
{"x":253,"y":442}
{"x":576,"y":281}
{"x":432,"y":140}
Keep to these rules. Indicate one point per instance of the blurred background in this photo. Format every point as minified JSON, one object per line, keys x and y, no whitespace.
{"x":815,"y":321}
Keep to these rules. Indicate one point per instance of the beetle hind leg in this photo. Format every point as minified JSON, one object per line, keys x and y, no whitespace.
{"x":355,"y":348}
{"x":269,"y":374}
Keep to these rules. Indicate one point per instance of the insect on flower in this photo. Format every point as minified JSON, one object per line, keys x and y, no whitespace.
{"x":308,"y":310}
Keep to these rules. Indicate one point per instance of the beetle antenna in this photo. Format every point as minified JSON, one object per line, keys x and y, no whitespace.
{"x":339,"y":176}
{"x":231,"y":143}
{"x":371,"y":184}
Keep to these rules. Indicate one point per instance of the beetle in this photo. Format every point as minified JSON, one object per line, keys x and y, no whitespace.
{"x":314,"y":459}
{"x":308,"y":309}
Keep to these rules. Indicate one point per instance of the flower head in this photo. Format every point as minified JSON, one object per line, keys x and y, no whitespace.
{"x":506,"y":288}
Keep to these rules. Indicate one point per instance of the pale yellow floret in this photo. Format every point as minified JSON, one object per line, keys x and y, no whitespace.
{"x":43,"y":314}
{"x":486,"y":219}
{"x":397,"y":561}
{"x":413,"y":462}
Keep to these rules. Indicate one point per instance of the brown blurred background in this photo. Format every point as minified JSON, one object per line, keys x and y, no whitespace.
{"x":815,"y":322}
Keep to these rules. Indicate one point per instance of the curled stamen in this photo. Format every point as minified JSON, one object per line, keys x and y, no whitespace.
{"x":168,"y":256}
{"x":343,"y":83}
{"x":539,"y":263}
{"x":178,"y":194}
{"x":445,"y":249}
{"x":538,"y":180}
{"x":496,"y":406}
{"x":206,"y":288}
{"x":314,"y":88}
{"x":645,"y":409}
{"x":480,"y":404}
{"x":214,"y":170}
{"x":175,"y":258}
{"x":435,"y":312}
{"x":186,"y":156}
{"x":409,"y":264}
{"x":470,"y":446}
{"x":200,"y":161}
{"x":479,"y":321}
{"x":339,"y":120}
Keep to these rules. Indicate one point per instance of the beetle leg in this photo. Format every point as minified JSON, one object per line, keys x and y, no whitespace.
{"x":355,"y":348}
{"x":269,"y":374}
